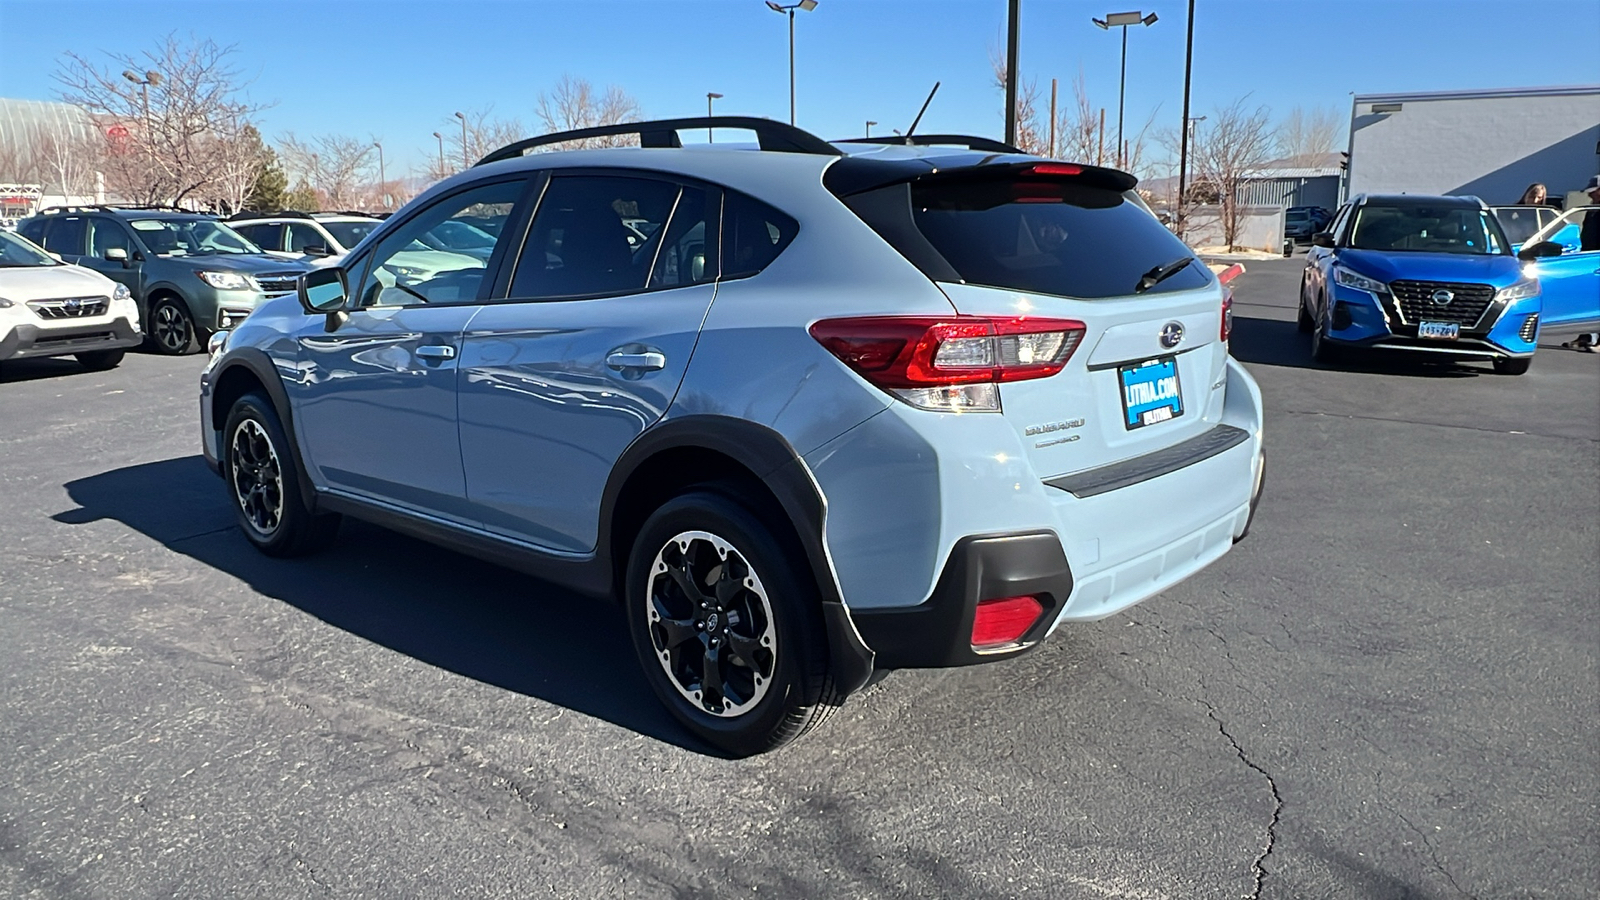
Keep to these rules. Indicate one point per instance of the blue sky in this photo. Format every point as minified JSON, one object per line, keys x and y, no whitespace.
{"x":397,"y":70}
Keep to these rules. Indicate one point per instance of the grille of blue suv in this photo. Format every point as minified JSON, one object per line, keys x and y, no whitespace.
{"x":69,"y":307}
{"x":277,"y":282}
{"x":1465,"y":305}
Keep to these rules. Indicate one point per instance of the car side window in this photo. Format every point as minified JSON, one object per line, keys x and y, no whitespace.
{"x":104,"y":235}
{"x":683,"y":258}
{"x":302,"y":235}
{"x":33,"y":230}
{"x":405,"y":272}
{"x":1337,"y":228}
{"x":65,"y":237}
{"x":594,"y":235}
{"x":267,"y":235}
{"x":753,"y":234}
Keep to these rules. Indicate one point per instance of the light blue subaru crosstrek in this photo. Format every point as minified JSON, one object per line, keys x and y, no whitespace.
{"x":1420,"y":274}
{"x":809,"y":411}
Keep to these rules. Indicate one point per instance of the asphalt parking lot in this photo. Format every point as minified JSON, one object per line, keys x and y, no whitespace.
{"x":1388,"y":690}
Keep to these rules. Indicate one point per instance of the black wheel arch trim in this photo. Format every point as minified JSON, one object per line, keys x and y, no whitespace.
{"x":259,"y":364}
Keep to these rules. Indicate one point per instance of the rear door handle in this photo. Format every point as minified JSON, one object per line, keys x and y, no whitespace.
{"x":648,"y":360}
{"x":436,"y":351}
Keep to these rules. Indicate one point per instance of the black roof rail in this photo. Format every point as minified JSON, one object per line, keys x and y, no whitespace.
{"x":771,"y":135}
{"x":258,"y":214}
{"x":968,"y":141}
{"x":342,"y":212}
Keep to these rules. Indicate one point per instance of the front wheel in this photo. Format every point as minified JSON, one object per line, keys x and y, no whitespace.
{"x":1513,"y":366}
{"x":1323,"y":350}
{"x":727,"y":625}
{"x":1303,"y":321}
{"x":263,"y":483}
{"x":100,"y":360}
{"x":172,"y":328}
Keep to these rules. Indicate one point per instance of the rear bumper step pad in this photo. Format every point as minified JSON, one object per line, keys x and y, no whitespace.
{"x":1152,"y":465}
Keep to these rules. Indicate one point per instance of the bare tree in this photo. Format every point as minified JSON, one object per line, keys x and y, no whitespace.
{"x":171,"y":115}
{"x":1078,"y":136}
{"x":1234,"y":144}
{"x":1305,"y":132}
{"x":575,"y":103}
{"x":1031,"y":136}
{"x":483,"y":132}
{"x":68,"y":162}
{"x":336,"y":166}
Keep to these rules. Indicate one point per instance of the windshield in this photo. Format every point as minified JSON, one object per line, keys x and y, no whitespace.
{"x":1426,"y":229}
{"x":1298,"y":215}
{"x":349,"y":234}
{"x":1049,"y":237}
{"x":17,"y":253}
{"x":191,"y":237}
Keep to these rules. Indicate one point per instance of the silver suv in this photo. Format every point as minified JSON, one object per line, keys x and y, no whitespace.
{"x":807,"y":411}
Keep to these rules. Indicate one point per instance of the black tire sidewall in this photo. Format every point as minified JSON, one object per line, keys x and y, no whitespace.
{"x":296,"y":519}
{"x":801,"y":657}
{"x":183,"y":310}
{"x":97,"y":360}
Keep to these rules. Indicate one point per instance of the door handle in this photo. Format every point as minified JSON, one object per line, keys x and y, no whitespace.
{"x":648,"y":360}
{"x":436,"y":351}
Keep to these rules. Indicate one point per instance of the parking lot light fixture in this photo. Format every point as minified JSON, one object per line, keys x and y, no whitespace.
{"x":1123,"y":20}
{"x":383,"y":187}
{"x":870,"y":123}
{"x":807,"y":5}
{"x":710,"y":96}
{"x":465,"y":164}
{"x":442,"y":172}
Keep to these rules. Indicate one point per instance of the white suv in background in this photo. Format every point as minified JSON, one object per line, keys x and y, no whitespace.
{"x":50,"y":308}
{"x":295,"y":235}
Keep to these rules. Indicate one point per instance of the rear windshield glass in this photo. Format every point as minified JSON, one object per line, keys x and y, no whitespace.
{"x":1049,"y":237}
{"x":1426,"y":229}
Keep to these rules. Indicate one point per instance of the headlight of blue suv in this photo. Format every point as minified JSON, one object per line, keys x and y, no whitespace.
{"x":1520,"y":290}
{"x":120,"y":292}
{"x":227,"y":281}
{"x":1358,"y":281}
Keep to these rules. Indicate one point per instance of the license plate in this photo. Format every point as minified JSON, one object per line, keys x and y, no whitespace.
{"x":1150,"y":392}
{"x":1439,"y":331}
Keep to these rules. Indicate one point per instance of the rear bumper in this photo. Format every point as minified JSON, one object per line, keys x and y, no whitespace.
{"x":28,"y":341}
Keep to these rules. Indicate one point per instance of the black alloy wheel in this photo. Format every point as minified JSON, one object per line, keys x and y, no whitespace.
{"x":727,"y":624}
{"x":173,"y":328}
{"x":264,"y":485}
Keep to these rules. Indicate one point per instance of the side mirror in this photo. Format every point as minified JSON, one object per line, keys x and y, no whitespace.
{"x":56,"y":256}
{"x":1539,"y":251}
{"x":323,"y":291}
{"x":316,"y":250}
{"x":117,"y":254}
{"x":1323,"y":239}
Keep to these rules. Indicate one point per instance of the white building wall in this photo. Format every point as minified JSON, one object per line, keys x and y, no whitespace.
{"x":1492,"y":144}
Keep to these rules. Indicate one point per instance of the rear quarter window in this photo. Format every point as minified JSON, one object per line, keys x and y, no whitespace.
{"x":1049,"y":237}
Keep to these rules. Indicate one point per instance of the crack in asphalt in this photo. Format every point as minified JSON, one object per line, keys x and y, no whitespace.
{"x":1258,"y":866}
{"x":190,"y":537}
{"x":1394,"y":421}
{"x":1434,"y":853}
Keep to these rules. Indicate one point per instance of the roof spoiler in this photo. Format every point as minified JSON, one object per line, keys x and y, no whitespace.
{"x":971,"y":142}
{"x":772,"y":136}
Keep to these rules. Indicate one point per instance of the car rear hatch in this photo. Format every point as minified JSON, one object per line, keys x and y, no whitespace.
{"x":1025,"y":242}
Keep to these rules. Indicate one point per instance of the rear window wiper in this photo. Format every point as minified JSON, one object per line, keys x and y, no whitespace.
{"x":1161,"y":273}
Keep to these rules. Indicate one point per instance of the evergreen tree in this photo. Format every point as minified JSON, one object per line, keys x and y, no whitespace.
{"x":270,"y":191}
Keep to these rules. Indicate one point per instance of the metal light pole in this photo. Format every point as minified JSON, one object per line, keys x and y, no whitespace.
{"x":442,"y":172}
{"x":807,"y":5}
{"x":870,"y":123}
{"x":710,"y":96}
{"x":464,"y":163}
{"x":151,"y":77}
{"x":1183,"y":141}
{"x":383,"y":183}
{"x":1123,"y":20}
{"x":1013,"y":25}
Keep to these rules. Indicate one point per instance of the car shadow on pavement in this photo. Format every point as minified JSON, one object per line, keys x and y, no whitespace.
{"x":448,"y":610}
{"x":1275,"y":342}
{"x":44,"y":367}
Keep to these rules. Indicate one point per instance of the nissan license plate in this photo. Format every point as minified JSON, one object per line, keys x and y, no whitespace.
{"x":1439,"y":331}
{"x":1150,"y":392}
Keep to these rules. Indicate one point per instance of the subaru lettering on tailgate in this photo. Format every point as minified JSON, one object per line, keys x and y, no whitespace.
{"x":1150,"y":392}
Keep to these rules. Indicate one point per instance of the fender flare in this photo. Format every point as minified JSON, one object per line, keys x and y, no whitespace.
{"x":259,"y":364}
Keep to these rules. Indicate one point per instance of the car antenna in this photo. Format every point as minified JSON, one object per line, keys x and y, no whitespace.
{"x":913,"y":128}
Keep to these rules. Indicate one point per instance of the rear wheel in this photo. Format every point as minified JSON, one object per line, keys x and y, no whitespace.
{"x":1513,"y":366}
{"x":100,"y":360}
{"x":264,"y":483}
{"x":172,"y":328}
{"x":727,"y":625}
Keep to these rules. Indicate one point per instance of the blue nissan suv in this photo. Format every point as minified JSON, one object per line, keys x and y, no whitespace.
{"x":1419,"y":274}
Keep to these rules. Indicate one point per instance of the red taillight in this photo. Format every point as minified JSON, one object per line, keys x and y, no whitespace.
{"x":920,"y":351}
{"x":1055,"y":169}
{"x":1003,"y":620}
{"x":1227,"y":312}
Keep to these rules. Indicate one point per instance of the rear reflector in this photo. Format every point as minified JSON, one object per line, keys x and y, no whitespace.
{"x":1003,"y":620}
{"x":1227,"y":312}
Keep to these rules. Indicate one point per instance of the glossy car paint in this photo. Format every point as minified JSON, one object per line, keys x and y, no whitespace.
{"x":1570,"y":285}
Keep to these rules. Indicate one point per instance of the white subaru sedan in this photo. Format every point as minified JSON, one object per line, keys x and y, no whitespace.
{"x":50,"y":308}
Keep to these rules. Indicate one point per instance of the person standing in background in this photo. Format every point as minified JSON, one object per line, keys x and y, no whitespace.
{"x":1535,"y":195}
{"x":1588,"y":240}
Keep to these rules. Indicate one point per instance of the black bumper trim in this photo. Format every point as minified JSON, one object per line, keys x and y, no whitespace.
{"x":938,"y":632}
{"x":1151,"y":465}
{"x":31,"y":341}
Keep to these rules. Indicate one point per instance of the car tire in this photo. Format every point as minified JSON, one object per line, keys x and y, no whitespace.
{"x":1322,"y":349}
{"x":1303,"y":320}
{"x":1513,"y":366}
{"x":100,"y":360}
{"x":171,"y":327}
{"x":263,"y":483}
{"x":727,"y":624}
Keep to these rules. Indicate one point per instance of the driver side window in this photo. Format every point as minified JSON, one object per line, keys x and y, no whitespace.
{"x":408,"y":269}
